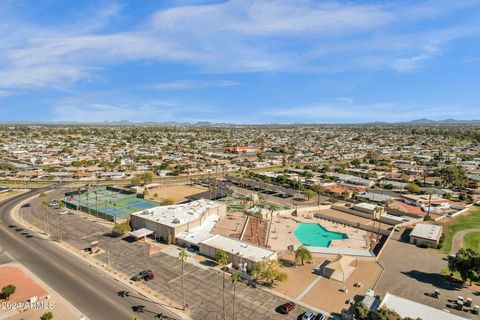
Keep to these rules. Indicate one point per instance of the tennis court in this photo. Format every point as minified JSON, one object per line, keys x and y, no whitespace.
{"x":108,"y":204}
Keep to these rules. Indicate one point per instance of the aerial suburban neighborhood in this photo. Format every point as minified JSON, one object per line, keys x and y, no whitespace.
{"x":247,"y":223}
{"x":239,"y":160}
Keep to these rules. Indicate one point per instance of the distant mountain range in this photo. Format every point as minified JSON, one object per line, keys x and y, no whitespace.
{"x":207,"y":123}
{"x":446,"y":121}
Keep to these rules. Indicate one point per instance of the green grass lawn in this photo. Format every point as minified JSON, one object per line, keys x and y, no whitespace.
{"x":472,"y":241}
{"x":460,"y":223}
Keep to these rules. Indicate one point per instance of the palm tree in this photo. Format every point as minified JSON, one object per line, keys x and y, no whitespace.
{"x":43,"y":198}
{"x":212,"y":187}
{"x":234,"y":278}
{"x":61,"y":206}
{"x":271,"y":209}
{"x":430,"y":192}
{"x":114,"y":212}
{"x":318,"y":190}
{"x":182,"y":256}
{"x":96,"y":200}
{"x":79,"y":195}
{"x":302,"y":254}
{"x":223,"y":258}
{"x":88,"y":197}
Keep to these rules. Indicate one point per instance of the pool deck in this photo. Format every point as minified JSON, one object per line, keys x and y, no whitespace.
{"x":282,"y":235}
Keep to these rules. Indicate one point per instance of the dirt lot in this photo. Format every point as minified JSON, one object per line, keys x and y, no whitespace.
{"x":26,"y":287}
{"x":176,"y":193}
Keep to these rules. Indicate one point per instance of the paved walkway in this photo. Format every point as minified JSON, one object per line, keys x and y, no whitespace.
{"x":310,"y":286}
{"x":457,"y":241}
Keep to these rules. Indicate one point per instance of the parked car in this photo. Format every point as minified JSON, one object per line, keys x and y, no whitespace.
{"x":54,"y":204}
{"x":62,"y":213}
{"x":146,"y":275}
{"x":309,"y":315}
{"x":321,"y":316}
{"x":287,"y":307}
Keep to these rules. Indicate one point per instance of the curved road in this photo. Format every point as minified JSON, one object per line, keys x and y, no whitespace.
{"x":457,"y":241}
{"x":88,"y":289}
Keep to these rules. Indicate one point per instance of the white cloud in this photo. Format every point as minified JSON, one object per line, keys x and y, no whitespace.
{"x":104,"y":112}
{"x":234,"y":36}
{"x":193,"y":84}
{"x":352,"y":112}
{"x":4,"y":93}
{"x":264,"y":18}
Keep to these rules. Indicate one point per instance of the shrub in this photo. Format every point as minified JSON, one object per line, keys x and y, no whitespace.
{"x":119,"y":229}
{"x":7,"y":291}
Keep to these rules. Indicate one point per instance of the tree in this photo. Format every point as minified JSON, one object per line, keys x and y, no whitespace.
{"x":310,"y":194}
{"x":167,"y":202}
{"x":47,"y":316}
{"x":182,"y":256}
{"x":467,"y":263}
{"x":8,"y":290}
{"x":143,"y":178}
{"x":303,"y":254}
{"x":412,"y":187}
{"x":355,"y":162}
{"x":453,"y":176}
{"x":119,"y":229}
{"x":223,"y":258}
{"x":234,"y":278}
{"x":268,"y":271}
{"x":363,"y":313}
{"x":136,"y":180}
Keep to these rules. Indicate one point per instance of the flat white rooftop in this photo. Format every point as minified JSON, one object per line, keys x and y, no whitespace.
{"x":427,"y":231}
{"x":201,"y":233}
{"x":365,"y":205}
{"x":412,"y":309}
{"x":239,"y":248}
{"x":179,"y":214}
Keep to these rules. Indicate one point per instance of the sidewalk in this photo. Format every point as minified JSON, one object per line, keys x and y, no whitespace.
{"x":140,"y":288}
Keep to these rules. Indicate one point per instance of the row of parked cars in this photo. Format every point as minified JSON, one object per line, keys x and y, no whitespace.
{"x":286,"y":308}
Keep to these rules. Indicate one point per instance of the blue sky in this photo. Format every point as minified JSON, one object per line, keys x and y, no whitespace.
{"x":239,"y":61}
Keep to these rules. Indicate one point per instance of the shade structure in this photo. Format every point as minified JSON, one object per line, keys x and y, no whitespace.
{"x":141,"y":233}
{"x":340,"y":268}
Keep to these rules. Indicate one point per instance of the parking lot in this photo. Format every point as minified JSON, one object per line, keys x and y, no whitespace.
{"x":203,"y":287}
{"x":413,"y":273}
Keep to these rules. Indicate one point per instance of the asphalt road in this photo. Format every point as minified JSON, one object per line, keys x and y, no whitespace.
{"x":88,"y":289}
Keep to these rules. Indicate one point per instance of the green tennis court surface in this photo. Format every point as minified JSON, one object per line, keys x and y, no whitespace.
{"x":108,"y":204}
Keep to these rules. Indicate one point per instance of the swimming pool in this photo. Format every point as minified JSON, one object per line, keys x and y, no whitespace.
{"x":314,"y":235}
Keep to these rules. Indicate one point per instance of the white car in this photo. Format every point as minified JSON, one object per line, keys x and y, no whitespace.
{"x":62,"y":213}
{"x":309,"y":315}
